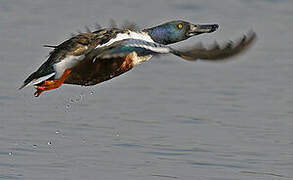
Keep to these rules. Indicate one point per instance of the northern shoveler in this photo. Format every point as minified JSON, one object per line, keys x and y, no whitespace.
{"x":93,"y":57}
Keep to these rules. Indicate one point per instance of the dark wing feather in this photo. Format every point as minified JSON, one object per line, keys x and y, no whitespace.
{"x":128,"y":25}
{"x":218,"y":52}
{"x":113,"y":23}
{"x":50,"y":46}
{"x":98,"y":26}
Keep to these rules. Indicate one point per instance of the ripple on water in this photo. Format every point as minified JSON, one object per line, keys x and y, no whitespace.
{"x":184,"y":150}
{"x":219,"y":165}
{"x":7,"y":98}
{"x":175,"y":151}
{"x":10,"y":165}
{"x":128,"y":145}
{"x":277,"y":1}
{"x":5,"y":153}
{"x":191,"y":119}
{"x":10,"y":176}
{"x":166,"y":153}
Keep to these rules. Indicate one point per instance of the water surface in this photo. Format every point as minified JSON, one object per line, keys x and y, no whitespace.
{"x":167,"y":118}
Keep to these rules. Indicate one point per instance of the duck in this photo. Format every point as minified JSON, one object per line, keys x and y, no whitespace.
{"x":90,"y":58}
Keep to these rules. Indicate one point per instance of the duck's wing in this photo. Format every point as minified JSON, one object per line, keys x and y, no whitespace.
{"x":218,"y":52}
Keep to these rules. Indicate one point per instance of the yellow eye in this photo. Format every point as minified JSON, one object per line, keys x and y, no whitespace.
{"x":180,"y":26}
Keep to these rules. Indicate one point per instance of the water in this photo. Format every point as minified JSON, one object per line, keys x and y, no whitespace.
{"x":167,"y":118}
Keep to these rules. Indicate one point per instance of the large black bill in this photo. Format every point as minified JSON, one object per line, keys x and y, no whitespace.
{"x":199,"y":29}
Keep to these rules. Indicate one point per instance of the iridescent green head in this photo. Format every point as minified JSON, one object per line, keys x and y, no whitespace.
{"x":175,"y":31}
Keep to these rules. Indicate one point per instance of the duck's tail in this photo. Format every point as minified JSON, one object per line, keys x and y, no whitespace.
{"x":28,"y":80}
{"x":35,"y":78}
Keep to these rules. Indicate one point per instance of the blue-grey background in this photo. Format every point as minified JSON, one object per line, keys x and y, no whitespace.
{"x":165,"y":119}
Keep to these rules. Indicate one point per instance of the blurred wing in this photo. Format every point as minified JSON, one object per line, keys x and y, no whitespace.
{"x":128,"y":25}
{"x":218,"y":52}
{"x":124,"y":47}
{"x":113,"y":23}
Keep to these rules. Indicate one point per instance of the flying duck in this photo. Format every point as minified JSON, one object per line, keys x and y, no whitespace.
{"x":93,"y":57}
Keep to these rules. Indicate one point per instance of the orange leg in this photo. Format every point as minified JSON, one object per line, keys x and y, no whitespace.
{"x":52,"y":84}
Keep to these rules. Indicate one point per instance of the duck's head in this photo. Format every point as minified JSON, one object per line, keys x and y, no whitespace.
{"x":175,"y":31}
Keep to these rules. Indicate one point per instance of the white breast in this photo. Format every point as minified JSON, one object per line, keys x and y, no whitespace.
{"x":68,"y":62}
{"x":128,"y":35}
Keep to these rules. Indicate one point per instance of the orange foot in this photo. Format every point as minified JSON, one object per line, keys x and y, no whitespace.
{"x":51,"y":84}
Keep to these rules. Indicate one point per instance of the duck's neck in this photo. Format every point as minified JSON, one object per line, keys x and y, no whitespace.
{"x":158,"y":35}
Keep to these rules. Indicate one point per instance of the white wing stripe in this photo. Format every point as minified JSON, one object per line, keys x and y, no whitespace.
{"x":128,"y":35}
{"x":155,"y":49}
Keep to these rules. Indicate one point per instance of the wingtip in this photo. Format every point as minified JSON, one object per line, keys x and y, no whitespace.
{"x":250,"y":34}
{"x":22,"y":86}
{"x":50,"y":46}
{"x":220,"y":52}
{"x":248,"y":39}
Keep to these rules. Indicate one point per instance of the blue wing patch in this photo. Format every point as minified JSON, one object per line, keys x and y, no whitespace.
{"x":127,"y":46}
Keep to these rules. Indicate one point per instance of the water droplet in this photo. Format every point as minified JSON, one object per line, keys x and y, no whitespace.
{"x":10,"y":154}
{"x":92,"y":92}
{"x":77,"y":99}
{"x":49,"y":143}
{"x":57,"y":132}
{"x":34,"y":146}
{"x":81,"y":96}
{"x":117,"y":135}
{"x":67,"y":106}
